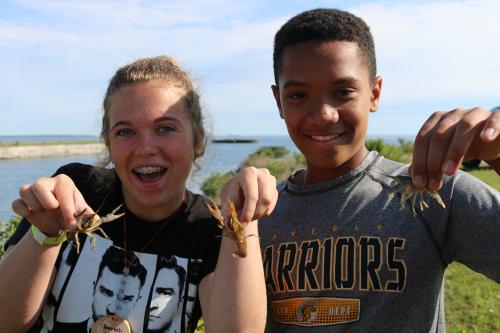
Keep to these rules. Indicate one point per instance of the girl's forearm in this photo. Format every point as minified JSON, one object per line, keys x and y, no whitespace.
{"x":27,"y":271}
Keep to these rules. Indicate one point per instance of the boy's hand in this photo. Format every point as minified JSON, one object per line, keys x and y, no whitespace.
{"x":447,"y":138}
{"x":49,"y":204}
{"x":253,"y":191}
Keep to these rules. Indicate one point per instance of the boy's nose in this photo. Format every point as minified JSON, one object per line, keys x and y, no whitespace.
{"x":325,"y":112}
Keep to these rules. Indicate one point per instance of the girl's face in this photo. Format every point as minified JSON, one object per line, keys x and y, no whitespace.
{"x":151,"y":142}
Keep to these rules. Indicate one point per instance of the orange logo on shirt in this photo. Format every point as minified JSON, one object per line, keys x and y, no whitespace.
{"x":319,"y":311}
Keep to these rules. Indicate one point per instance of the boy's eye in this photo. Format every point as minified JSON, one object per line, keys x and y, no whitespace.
{"x":296,"y":96}
{"x":124,"y":132}
{"x":343,"y":92}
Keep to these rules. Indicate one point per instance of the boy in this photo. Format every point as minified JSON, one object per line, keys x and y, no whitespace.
{"x":339,"y":252}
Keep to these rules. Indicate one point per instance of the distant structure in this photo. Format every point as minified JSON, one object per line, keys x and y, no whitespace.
{"x":234,"y":140}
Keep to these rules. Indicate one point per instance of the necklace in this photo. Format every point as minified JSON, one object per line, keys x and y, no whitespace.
{"x":117,"y":322}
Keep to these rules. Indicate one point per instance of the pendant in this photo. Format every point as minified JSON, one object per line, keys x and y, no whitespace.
{"x":111,"y":324}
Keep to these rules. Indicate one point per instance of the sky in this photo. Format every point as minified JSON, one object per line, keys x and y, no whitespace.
{"x":56,"y":58}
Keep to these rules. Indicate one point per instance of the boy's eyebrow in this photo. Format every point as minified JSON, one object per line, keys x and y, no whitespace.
{"x":340,"y":81}
{"x":346,"y":80}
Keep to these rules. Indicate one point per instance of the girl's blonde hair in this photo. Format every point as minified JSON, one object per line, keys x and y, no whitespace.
{"x":161,"y":68}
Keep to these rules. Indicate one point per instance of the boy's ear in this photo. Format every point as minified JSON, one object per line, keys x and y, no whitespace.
{"x":276,"y":94}
{"x":376,"y":90}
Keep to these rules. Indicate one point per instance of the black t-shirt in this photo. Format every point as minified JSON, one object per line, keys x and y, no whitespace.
{"x":160,"y":292}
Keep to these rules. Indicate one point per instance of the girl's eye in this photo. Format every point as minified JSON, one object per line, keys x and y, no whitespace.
{"x":166,"y":129}
{"x":124,"y":132}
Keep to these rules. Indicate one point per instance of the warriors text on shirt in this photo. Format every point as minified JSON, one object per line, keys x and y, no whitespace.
{"x":342,"y":263}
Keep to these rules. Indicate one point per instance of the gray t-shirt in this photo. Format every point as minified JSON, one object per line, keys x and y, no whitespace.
{"x":341,"y":256}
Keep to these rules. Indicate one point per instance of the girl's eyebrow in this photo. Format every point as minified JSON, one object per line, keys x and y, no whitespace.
{"x":158,"y":120}
{"x":121,"y":122}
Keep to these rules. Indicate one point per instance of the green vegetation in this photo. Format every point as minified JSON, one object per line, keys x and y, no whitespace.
{"x":472,"y":301}
{"x":6,"y":230}
{"x":401,"y":152}
{"x":212,"y":185}
{"x":488,"y":176}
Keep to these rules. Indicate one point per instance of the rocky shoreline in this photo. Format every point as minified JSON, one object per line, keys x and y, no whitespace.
{"x":48,"y":150}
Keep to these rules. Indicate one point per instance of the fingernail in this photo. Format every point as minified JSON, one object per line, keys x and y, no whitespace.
{"x":419,"y":181}
{"x":433,"y":184}
{"x":489,"y":132}
{"x":72,"y":224}
{"x":449,"y":167}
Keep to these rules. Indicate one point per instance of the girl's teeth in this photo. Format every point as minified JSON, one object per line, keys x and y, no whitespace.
{"x":147,"y":169}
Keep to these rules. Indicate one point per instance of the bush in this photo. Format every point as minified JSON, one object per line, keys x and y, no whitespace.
{"x":402,"y":152}
{"x":212,"y":185}
{"x":271,"y":152}
{"x":6,"y":230}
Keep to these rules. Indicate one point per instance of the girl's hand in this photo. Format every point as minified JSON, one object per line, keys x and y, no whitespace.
{"x":253,"y":191}
{"x":50,"y":204}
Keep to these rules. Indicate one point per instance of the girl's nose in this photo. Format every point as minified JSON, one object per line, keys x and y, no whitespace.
{"x":146,"y":145}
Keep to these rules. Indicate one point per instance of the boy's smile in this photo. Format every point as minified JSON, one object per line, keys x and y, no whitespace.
{"x":325,"y":95}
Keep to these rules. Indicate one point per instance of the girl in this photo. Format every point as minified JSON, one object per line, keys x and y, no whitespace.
{"x":153,"y":129}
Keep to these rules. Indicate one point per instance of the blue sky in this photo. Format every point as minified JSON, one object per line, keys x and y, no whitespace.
{"x":56,"y":58}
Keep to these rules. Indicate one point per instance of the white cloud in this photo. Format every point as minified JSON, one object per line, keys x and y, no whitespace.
{"x":431,"y":54}
{"x":436,"y":51}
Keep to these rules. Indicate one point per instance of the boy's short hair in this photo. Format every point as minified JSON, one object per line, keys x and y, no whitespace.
{"x":325,"y":24}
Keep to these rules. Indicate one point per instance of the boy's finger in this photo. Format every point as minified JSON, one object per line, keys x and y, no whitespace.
{"x":491,"y":128}
{"x":420,"y":150}
{"x":439,"y":146}
{"x":465,"y":133}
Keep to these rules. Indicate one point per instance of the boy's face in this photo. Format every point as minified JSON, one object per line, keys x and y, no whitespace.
{"x":325,"y":95}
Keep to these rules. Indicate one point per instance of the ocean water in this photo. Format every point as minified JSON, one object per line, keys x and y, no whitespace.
{"x":218,"y":158}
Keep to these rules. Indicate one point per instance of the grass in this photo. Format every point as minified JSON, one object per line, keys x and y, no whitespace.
{"x":488,"y":176}
{"x":472,"y":301}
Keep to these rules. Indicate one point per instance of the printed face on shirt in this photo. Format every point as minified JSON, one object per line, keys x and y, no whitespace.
{"x":325,"y":95}
{"x":165,"y":299}
{"x":151,"y":141}
{"x":106,"y":293}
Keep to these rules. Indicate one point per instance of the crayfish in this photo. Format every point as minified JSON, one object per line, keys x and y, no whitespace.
{"x":404,"y":185}
{"x":230,"y":226}
{"x":85,"y":224}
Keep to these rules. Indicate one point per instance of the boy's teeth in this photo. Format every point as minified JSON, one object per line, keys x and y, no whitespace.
{"x":324,"y":137}
{"x":147,"y":169}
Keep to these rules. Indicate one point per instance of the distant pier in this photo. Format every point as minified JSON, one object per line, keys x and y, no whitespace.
{"x":234,"y":140}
